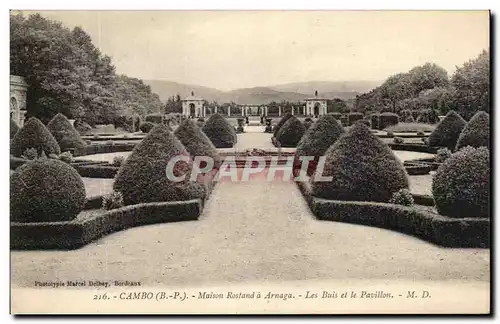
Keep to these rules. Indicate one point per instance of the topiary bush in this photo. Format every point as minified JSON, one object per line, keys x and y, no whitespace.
{"x":34,"y":134}
{"x":82,"y":127}
{"x":65,"y":134}
{"x":320,"y":136}
{"x":354,"y":117}
{"x":402,"y":197}
{"x":291,"y":132}
{"x":282,"y":121}
{"x":155,"y":118}
{"x":448,"y":131}
{"x":461,"y":185}
{"x":146,"y":127}
{"x":46,"y":190}
{"x":398,"y":140}
{"x":66,"y":157}
{"x":30,"y":154}
{"x":219,"y":131}
{"x":118,"y":161}
{"x":335,"y":115}
{"x":387,"y":119}
{"x":112,"y":200}
{"x":476,"y":133}
{"x":13,"y":129}
{"x":143,"y":178}
{"x":196,"y":142}
{"x":442,"y":155}
{"x":307,"y":123}
{"x":362,"y":167}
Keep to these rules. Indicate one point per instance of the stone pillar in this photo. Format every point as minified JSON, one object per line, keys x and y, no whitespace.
{"x":279,"y":110}
{"x":204,"y":110}
{"x":215,"y":110}
{"x":229,"y":111}
{"x":22,"y":117}
{"x":265,"y":111}
{"x":242,"y":111}
{"x":293,"y":110}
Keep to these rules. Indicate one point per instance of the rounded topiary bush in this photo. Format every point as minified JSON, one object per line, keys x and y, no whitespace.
{"x":143,"y":178}
{"x":307,"y":123}
{"x":461,"y":185}
{"x":13,"y":129}
{"x":374,"y":119}
{"x":34,"y":134}
{"x":196,"y":142}
{"x":320,"y":136}
{"x":46,"y":190}
{"x":290,"y":133}
{"x":448,"y":131}
{"x":476,"y":133}
{"x":362,"y":167}
{"x":282,"y":121}
{"x":219,"y":131}
{"x":82,"y":127}
{"x":65,"y":134}
{"x":402,"y":197}
{"x":146,"y":127}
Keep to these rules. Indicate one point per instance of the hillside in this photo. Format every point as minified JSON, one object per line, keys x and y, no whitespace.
{"x":263,"y":95}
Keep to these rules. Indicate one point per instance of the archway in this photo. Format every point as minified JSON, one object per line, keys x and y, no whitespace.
{"x":316,"y":109}
{"x":192,"y":110}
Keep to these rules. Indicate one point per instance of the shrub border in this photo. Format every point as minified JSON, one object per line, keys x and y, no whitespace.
{"x":434,"y":228}
{"x":75,"y":234}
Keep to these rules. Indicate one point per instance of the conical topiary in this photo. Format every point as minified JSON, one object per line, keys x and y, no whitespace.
{"x":65,"y":134}
{"x":143,"y":176}
{"x":35,"y":135}
{"x":196,"y":142}
{"x":461,"y":185}
{"x":290,"y":133}
{"x":320,"y":136}
{"x":13,"y":129}
{"x":219,"y":131}
{"x":282,"y":121}
{"x":447,"y":131}
{"x":476,"y":133}
{"x":362,"y":167}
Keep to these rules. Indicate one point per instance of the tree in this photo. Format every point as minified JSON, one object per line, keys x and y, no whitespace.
{"x":472,"y":84}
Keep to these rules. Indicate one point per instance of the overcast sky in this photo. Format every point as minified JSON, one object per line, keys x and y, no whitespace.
{"x":230,"y":49}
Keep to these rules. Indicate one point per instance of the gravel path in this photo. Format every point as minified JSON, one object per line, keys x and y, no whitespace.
{"x":249,"y":232}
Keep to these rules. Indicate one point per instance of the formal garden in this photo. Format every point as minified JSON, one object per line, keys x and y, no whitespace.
{"x":406,"y":195}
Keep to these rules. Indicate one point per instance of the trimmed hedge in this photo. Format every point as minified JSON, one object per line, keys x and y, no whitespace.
{"x":34,"y":134}
{"x":109,"y":148}
{"x":142,"y":178}
{"x":387,"y":119}
{"x":196,"y":142}
{"x":320,"y":136}
{"x":103,"y":171}
{"x":81,"y":126}
{"x":79,"y":232}
{"x":46,"y":190}
{"x":461,"y":185}
{"x":307,"y":123}
{"x":156,"y":118}
{"x":476,"y":133}
{"x":129,"y":123}
{"x":290,"y":133}
{"x":441,"y":230}
{"x":448,"y":131}
{"x":219,"y":131}
{"x":354,"y":117}
{"x":363,"y":168}
{"x":65,"y":134}
{"x":14,"y":128}
{"x":335,"y":115}
{"x":282,"y":121}
{"x":146,"y":127}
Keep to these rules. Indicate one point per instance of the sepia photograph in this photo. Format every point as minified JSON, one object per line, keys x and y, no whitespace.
{"x":250,"y":162}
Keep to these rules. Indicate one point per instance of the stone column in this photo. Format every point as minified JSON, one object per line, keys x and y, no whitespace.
{"x":22,"y":117}
{"x":265,"y":111}
{"x":304,"y":110}
{"x":242,"y":111}
{"x":279,"y":110}
{"x":293,"y":110}
{"x":204,"y":110}
{"x":229,"y":111}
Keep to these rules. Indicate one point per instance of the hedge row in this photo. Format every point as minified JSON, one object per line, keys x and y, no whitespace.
{"x":441,"y":230}
{"x":413,"y":148}
{"x":77,"y":233}
{"x":109,"y":148}
{"x":103,"y":170}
